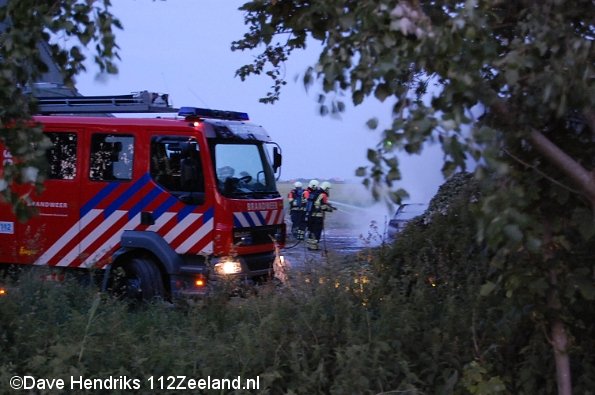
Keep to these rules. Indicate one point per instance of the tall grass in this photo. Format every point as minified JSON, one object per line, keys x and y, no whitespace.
{"x":314,"y":335}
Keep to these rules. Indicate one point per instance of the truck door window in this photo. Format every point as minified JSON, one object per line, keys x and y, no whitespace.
{"x":176,"y":165}
{"x":111,"y":157}
{"x":243,"y":170}
{"x":62,"y":156}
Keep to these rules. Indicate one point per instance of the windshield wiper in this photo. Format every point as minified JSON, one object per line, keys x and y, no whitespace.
{"x":241,"y":194}
{"x":254,"y":194}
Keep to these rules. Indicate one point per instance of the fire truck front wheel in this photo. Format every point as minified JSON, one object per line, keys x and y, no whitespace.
{"x":138,"y":279}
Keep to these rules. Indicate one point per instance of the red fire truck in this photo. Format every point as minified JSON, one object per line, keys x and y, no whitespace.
{"x":169,"y":203}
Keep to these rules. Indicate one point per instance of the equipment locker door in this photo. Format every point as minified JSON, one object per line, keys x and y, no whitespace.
{"x":47,"y":238}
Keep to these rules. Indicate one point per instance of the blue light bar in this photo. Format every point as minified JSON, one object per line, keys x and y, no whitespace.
{"x":208,"y":113}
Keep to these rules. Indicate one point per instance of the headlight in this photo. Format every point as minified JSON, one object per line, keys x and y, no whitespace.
{"x":228,"y":266}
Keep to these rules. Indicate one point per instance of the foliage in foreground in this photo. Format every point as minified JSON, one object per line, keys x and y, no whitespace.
{"x":415,"y":318}
{"x":29,"y":28}
{"x":504,"y":341}
{"x":507,"y":86}
{"x":318,"y":338}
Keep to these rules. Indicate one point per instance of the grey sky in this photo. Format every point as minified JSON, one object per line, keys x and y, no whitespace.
{"x":182,"y":47}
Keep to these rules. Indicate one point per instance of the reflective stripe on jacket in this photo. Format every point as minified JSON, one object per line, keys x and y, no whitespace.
{"x":321,"y":205}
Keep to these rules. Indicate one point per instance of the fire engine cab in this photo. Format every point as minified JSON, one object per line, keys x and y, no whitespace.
{"x":169,"y":203}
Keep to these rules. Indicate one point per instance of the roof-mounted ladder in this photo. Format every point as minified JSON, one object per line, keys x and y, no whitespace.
{"x":139,"y":102}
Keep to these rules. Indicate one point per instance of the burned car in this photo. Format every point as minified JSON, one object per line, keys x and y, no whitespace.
{"x":405,"y":213}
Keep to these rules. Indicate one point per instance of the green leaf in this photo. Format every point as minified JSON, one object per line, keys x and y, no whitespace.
{"x":513,"y":232}
{"x":487,"y":288}
{"x":585,"y":285}
{"x":584,"y":220}
{"x":587,"y":290}
{"x":358,"y":97}
{"x":372,"y":156}
{"x":382,"y":92}
{"x":512,"y":76}
{"x":372,"y":123}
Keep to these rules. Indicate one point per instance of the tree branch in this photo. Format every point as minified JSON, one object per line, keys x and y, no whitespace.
{"x":583,"y":178}
{"x":541,"y":173}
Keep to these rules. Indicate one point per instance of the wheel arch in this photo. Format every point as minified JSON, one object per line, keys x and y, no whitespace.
{"x":148,"y":245}
{"x":139,"y":242}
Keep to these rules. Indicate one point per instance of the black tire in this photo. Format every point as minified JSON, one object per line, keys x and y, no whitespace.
{"x":138,"y":279}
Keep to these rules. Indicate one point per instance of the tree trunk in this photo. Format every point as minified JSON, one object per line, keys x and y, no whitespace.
{"x":559,"y":340}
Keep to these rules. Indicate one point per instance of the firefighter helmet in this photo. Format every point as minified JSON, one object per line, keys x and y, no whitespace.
{"x":297,"y":184}
{"x":325,"y":186}
{"x":313,"y":184}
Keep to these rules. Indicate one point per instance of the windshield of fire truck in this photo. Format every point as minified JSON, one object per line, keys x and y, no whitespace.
{"x":243,"y":170}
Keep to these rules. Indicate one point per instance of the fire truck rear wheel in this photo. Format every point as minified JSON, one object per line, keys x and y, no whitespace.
{"x":139,"y":279}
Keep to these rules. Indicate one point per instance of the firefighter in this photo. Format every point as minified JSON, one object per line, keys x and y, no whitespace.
{"x":307,"y":197}
{"x":296,"y":209}
{"x":320,"y":205}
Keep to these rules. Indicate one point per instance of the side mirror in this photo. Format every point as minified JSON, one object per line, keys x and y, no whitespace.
{"x":277,"y":158}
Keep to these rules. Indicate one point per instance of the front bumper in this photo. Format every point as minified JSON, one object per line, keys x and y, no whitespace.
{"x":244,"y":270}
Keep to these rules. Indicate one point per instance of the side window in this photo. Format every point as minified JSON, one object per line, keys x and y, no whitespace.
{"x":111,"y":157}
{"x":176,"y":164}
{"x":62,"y":156}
